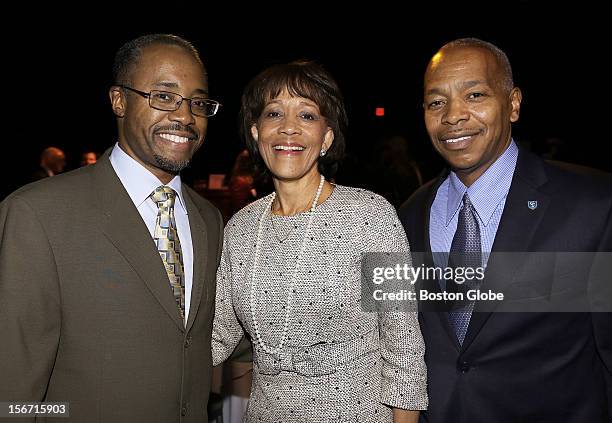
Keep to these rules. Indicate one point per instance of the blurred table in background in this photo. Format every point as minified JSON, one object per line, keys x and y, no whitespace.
{"x":228,"y":199}
{"x":221,"y":198}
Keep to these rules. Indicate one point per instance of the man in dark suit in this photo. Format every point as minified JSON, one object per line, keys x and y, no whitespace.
{"x":107,"y":273}
{"x":488,"y":366}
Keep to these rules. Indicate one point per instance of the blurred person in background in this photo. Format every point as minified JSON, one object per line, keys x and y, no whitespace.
{"x":52,"y":162}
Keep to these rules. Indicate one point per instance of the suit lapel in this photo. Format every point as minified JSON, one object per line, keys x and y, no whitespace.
{"x":125,"y":229}
{"x":199,"y":239}
{"x":515,"y":233}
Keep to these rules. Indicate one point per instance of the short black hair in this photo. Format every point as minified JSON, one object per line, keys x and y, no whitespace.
{"x":300,"y":78}
{"x":129,"y":53}
{"x":500,"y":56}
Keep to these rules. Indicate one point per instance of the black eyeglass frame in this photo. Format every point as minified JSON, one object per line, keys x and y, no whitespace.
{"x":176,"y":105}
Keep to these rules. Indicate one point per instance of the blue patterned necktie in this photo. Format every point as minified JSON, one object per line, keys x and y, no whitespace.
{"x":168,"y":243}
{"x":466,"y":251}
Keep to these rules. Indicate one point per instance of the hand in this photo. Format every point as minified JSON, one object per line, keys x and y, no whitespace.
{"x":405,"y":416}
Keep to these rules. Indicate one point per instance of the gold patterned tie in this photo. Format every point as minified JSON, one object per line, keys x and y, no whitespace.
{"x":168,"y":244}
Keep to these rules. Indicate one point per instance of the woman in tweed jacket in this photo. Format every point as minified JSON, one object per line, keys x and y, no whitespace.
{"x":290,"y":273}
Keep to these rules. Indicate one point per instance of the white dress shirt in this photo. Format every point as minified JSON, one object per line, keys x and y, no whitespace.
{"x":139,"y":184}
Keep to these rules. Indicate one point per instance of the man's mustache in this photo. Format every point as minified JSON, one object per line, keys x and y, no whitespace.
{"x":177,"y":127}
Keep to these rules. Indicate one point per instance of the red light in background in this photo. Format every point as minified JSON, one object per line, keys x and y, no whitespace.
{"x":380,"y":111}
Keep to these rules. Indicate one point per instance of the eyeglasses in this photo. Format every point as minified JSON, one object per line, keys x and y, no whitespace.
{"x":169,"y":102}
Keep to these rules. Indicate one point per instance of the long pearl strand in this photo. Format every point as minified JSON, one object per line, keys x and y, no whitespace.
{"x":279,"y":347}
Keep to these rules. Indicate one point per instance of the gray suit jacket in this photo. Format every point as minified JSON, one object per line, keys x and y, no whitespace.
{"x":86,"y":312}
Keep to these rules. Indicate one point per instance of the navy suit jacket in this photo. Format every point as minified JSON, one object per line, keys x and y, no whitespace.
{"x":524,"y":367}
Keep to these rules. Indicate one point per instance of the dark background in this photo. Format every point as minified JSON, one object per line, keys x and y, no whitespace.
{"x":57,"y":71}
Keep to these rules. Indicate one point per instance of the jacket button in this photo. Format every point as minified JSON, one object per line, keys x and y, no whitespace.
{"x":188,"y":341}
{"x":463,"y":366}
{"x":184,"y":411}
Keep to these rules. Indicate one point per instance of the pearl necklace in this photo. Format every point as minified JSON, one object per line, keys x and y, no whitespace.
{"x":279,"y":347}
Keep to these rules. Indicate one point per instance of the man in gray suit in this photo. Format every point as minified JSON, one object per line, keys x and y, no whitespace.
{"x":107,"y":273}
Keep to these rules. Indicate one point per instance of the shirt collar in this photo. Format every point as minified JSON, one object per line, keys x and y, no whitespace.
{"x":487,"y":191}
{"x":138,"y":181}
